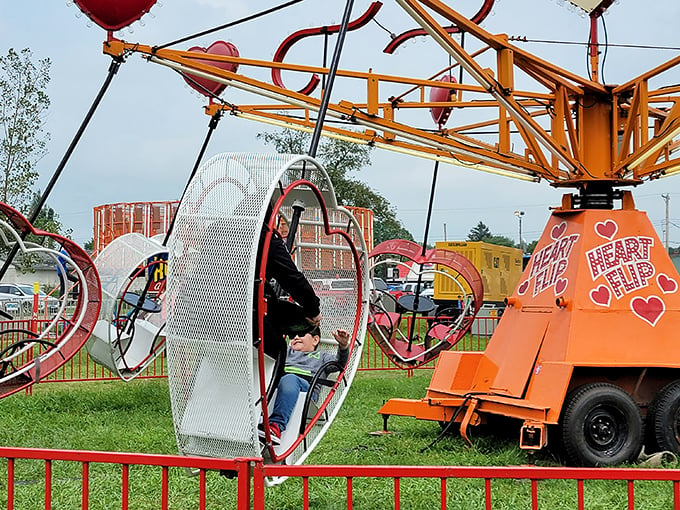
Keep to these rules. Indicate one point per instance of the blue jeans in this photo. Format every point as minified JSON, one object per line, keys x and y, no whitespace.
{"x":289,"y":389}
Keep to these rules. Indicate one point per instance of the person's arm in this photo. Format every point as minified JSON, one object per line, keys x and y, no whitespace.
{"x":281,"y":267}
{"x":342,"y":337}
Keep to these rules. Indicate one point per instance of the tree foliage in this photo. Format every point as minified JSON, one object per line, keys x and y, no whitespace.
{"x":340,"y":157}
{"x":479,"y":232}
{"x":23,"y":103}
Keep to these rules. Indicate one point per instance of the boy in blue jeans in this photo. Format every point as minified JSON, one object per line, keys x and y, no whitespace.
{"x":302,"y":360}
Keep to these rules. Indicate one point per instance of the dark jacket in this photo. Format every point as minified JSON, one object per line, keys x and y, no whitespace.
{"x":280,"y":267}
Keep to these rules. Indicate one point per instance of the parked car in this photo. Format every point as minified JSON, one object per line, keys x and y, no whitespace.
{"x":24,"y":293}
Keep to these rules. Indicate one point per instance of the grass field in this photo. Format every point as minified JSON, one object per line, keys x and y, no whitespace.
{"x":136,"y":417}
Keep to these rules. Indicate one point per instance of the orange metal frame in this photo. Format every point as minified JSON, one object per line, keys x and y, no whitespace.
{"x":570,"y":130}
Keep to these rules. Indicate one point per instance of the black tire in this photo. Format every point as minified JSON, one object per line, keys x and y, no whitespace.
{"x":663,"y":419}
{"x":601,"y":426}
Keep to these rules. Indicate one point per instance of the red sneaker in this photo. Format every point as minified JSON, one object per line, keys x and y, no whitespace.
{"x":275,"y":432}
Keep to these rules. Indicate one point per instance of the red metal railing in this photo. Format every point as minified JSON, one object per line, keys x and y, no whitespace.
{"x":240,"y":468}
{"x":250,"y":475}
{"x":488,"y":474}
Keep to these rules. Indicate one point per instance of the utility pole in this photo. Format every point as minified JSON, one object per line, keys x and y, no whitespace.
{"x":519,"y":215}
{"x":444,"y":231}
{"x":667,"y":198}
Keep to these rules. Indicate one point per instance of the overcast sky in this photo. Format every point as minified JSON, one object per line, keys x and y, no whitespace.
{"x":143,"y":141}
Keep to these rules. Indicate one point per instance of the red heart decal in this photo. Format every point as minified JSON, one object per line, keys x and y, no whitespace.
{"x":666,"y":283}
{"x":601,"y":296}
{"x":523,"y":288}
{"x":606,"y":229}
{"x":650,"y":310}
{"x":116,"y":14}
{"x":560,"y":286}
{"x":439,"y":95}
{"x":210,"y":87}
{"x":558,"y":230}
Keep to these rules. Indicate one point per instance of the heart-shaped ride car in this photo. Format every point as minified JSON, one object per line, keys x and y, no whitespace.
{"x":29,"y":354}
{"x":220,"y":375}
{"x":206,"y":86}
{"x":396,"y":324}
{"x":130,"y":332}
{"x":114,"y":15}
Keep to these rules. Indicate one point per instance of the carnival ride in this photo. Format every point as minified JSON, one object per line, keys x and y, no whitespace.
{"x":565,"y":353}
{"x":29,"y":355}
{"x":220,"y":379}
{"x":130,"y":331}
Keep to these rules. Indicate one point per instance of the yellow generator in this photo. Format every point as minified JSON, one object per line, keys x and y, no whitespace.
{"x":500,"y":267}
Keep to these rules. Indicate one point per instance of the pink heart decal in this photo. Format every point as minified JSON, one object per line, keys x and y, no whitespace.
{"x":210,"y":87}
{"x":649,"y":310}
{"x":601,"y":296}
{"x":114,"y":15}
{"x":606,"y":229}
{"x":523,"y":288}
{"x":666,"y":283}
{"x":560,"y":286}
{"x":558,"y":230}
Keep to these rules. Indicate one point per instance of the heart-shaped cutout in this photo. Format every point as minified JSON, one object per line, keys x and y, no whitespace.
{"x":601,"y":296}
{"x":649,"y":310}
{"x":521,"y":290}
{"x":606,"y":229}
{"x":114,"y":14}
{"x":667,"y":284}
{"x":558,"y":230}
{"x":206,"y":86}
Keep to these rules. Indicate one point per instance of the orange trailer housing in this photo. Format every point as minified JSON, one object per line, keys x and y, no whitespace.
{"x":598,"y":302}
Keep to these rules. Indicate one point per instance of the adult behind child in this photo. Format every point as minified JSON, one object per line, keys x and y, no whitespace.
{"x":303,"y":361}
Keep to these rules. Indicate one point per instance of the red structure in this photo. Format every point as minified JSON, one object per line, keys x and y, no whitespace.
{"x":147,"y":218}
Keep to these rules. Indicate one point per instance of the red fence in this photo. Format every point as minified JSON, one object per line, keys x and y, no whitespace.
{"x":249,"y":490}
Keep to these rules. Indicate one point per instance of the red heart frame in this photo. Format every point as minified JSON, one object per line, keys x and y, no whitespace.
{"x":437,"y":256}
{"x":206,"y":86}
{"x":79,"y":335}
{"x":114,"y":14}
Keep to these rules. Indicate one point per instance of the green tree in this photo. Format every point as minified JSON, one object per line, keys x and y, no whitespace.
{"x":23,"y":142}
{"x":500,"y":240}
{"x":340,"y":157}
{"x":479,"y":233}
{"x":47,"y":220}
{"x":531,"y":247}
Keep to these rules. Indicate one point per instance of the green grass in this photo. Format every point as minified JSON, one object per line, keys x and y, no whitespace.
{"x":136,"y":417}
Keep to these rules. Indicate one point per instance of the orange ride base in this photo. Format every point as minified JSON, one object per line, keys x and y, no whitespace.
{"x":599,"y":301}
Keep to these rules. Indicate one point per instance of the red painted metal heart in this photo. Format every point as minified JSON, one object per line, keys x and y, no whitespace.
{"x":667,"y":284}
{"x":601,"y":296}
{"x":606,"y":229}
{"x":114,"y":14}
{"x":206,"y":86}
{"x":558,"y":230}
{"x":441,"y":94}
{"x":560,"y":286}
{"x":650,"y":310}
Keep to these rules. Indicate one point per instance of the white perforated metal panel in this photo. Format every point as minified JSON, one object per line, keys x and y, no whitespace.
{"x":126,"y":349}
{"x":212,"y":364}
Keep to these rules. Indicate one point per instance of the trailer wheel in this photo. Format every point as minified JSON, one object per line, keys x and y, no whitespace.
{"x":663,"y":418}
{"x":601,"y":426}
